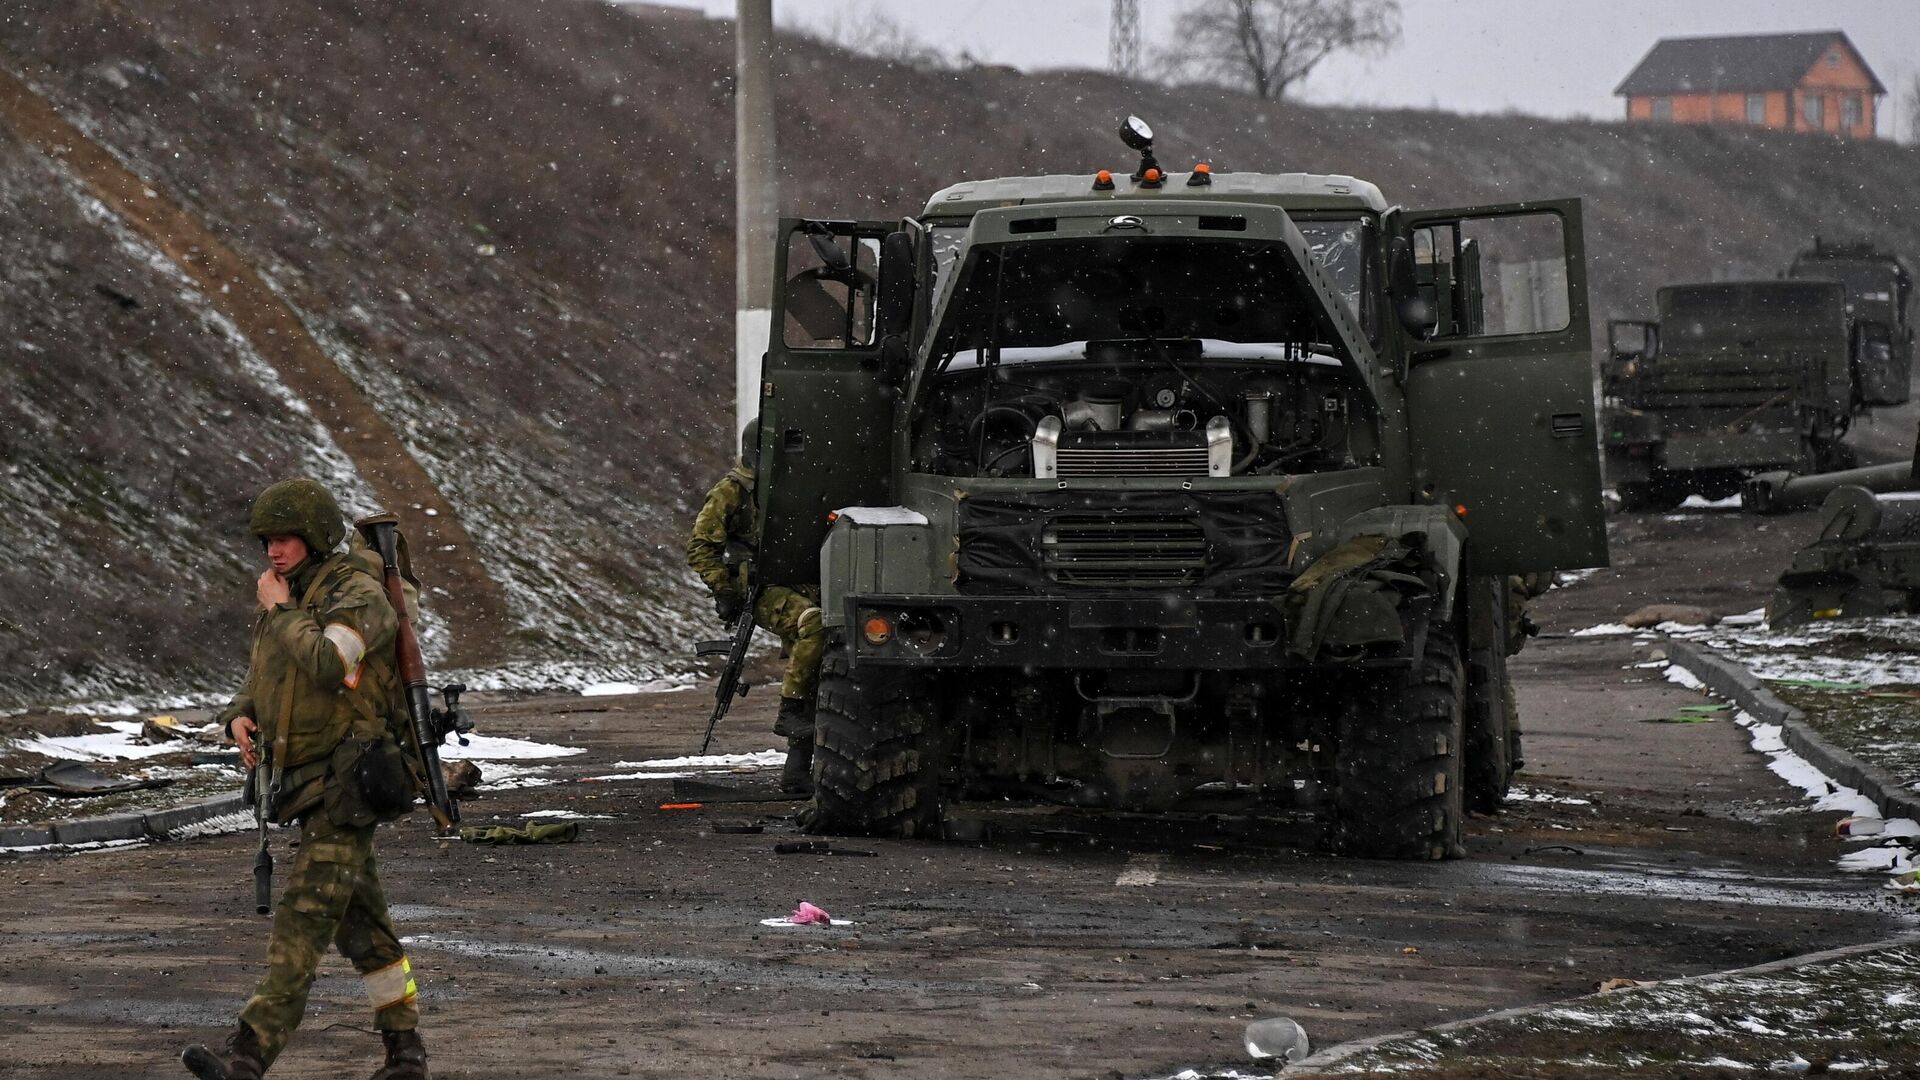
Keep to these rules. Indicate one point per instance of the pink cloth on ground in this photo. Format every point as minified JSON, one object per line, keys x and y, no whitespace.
{"x":806,"y":913}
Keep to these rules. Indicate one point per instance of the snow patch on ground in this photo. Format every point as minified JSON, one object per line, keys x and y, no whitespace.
{"x":119,"y":743}
{"x":1526,"y":794}
{"x":500,"y":748}
{"x":700,"y":765}
{"x":1606,"y":630}
{"x":496,"y":777}
{"x":1701,"y":502}
{"x":566,"y":815}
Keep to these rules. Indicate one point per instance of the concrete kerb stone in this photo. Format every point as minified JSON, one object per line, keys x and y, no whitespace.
{"x":1334,"y":1055}
{"x":157,"y":825}
{"x":1735,"y":683}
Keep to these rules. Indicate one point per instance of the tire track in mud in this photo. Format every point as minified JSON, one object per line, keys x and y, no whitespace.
{"x":475,"y":605}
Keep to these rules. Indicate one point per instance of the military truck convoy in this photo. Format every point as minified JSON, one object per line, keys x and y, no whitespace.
{"x":1172,"y":491}
{"x":1737,"y":378}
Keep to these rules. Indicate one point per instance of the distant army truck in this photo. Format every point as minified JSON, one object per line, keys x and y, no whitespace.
{"x":1734,"y":378}
{"x":1879,"y":336}
{"x":1175,"y":492}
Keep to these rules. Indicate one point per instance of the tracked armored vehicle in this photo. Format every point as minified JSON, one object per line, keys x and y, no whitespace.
{"x":1176,"y":491}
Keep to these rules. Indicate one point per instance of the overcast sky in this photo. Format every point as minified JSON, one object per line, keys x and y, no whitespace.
{"x":1550,"y":57}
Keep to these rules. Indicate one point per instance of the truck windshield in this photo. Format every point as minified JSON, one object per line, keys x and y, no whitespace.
{"x":1052,"y":293}
{"x":1339,"y":244}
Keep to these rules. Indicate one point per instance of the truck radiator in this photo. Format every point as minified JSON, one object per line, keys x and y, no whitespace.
{"x":1173,"y":461}
{"x":1138,"y":552}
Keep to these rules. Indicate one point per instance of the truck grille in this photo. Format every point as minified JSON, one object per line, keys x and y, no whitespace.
{"x":1168,"y":461}
{"x":1133,"y":553}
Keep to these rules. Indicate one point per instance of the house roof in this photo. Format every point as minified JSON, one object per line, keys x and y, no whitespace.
{"x":1734,"y":64}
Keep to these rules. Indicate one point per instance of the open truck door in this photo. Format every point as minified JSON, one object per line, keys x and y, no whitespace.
{"x":826,"y":402}
{"x":1500,"y":381}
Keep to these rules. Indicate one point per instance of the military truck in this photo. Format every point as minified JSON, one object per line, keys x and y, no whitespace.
{"x":1175,"y":492}
{"x":1879,"y":336}
{"x":1734,"y":378}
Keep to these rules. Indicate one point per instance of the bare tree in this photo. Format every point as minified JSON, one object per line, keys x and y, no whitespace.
{"x":1268,"y":46}
{"x":869,"y":30}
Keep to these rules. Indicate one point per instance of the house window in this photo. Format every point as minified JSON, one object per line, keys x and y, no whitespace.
{"x":1851,"y":114}
{"x":1663,"y":109}
{"x":1812,"y":112}
{"x":1756,"y":108}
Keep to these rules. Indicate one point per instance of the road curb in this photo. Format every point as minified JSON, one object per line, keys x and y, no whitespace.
{"x":1333,"y":1055}
{"x":1730,"y":680}
{"x":157,"y":825}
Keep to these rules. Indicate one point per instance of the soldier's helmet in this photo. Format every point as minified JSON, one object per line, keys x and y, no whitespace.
{"x":750,"y":444}
{"x":300,"y":508}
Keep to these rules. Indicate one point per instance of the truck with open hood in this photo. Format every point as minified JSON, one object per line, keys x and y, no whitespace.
{"x":1173,"y":491}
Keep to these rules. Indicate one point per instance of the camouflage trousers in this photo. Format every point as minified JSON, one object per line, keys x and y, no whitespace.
{"x":332,"y":895}
{"x":794,"y":614}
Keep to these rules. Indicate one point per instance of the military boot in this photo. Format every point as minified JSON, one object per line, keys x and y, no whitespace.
{"x":796,"y":776}
{"x":406,"y":1057}
{"x":240,"y":1059}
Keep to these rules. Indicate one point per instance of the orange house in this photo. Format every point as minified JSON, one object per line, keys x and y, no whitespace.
{"x":1787,"y":82}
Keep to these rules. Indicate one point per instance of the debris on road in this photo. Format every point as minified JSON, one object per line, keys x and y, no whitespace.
{"x":809,"y":915}
{"x":1277,"y":1038}
{"x":817,"y":847}
{"x":1653,"y":615}
{"x":462,"y":777}
{"x":564,"y":832}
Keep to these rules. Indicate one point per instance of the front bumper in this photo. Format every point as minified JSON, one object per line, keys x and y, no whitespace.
{"x":1214,"y":634}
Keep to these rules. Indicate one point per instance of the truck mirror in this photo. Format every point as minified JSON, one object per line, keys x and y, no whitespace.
{"x":1411,"y":306}
{"x":827,"y":246}
{"x":896,"y":285}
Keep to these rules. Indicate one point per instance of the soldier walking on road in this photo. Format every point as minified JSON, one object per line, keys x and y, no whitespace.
{"x":322,"y":690}
{"x":721,"y":551}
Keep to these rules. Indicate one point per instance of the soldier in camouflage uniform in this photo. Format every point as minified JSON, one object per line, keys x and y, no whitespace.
{"x":321,"y":686}
{"x":720,"y":551}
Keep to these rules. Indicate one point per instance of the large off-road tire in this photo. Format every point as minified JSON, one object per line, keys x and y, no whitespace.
{"x":1399,"y":792}
{"x":1491,"y":738}
{"x":876,"y":770}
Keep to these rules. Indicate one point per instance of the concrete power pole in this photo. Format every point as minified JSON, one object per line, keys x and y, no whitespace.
{"x":1123,"y":39}
{"x":757,"y":200}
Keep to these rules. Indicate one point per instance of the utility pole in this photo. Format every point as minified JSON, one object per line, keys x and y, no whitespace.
{"x":1123,"y":39}
{"x":756,"y":194}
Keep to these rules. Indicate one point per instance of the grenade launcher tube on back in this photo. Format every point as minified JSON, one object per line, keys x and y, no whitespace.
{"x":383,"y":534}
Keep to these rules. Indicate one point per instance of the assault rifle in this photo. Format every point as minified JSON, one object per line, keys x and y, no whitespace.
{"x":430,"y":726}
{"x":735,"y":647}
{"x":261,"y":791}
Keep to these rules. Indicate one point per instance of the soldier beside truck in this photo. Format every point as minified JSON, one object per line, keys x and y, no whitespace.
{"x":1175,"y":491}
{"x":1738,"y":378}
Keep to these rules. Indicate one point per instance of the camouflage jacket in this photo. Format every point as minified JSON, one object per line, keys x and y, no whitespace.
{"x":724,"y":522}
{"x":322,"y":669}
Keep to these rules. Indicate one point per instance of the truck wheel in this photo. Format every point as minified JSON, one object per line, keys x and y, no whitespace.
{"x":875,"y":770}
{"x":1650,"y":496}
{"x":1398,"y":769}
{"x":1491,"y":737}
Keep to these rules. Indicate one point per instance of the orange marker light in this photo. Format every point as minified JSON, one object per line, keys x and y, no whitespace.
{"x":1103,"y":177}
{"x":1461,"y":510}
{"x":877,"y":630}
{"x":833,"y":516}
{"x":1151,"y":176}
{"x":1202,"y":168}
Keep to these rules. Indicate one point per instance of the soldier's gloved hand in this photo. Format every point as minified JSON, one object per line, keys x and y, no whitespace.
{"x":727,"y":605}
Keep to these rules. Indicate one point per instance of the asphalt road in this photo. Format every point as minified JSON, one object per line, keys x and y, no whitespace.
{"x":1052,"y":950}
